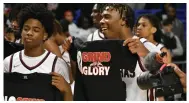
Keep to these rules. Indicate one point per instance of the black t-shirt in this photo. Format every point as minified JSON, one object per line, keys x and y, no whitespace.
{"x":30,"y":87}
{"x":98,"y":76}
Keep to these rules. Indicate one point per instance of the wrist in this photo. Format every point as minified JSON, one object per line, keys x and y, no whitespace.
{"x":67,"y":90}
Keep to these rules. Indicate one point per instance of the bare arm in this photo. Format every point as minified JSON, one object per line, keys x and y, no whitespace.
{"x":52,"y":47}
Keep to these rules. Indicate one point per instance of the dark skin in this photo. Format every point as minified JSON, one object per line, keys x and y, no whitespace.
{"x":96,"y":16}
{"x":114,"y":27}
{"x":33,"y":34}
{"x":53,"y":43}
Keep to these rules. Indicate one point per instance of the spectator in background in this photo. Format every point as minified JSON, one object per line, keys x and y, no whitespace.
{"x":96,"y":17}
{"x":162,"y":15}
{"x":148,"y":26}
{"x":9,"y":35}
{"x":73,"y":29}
{"x":84,"y":28}
{"x":13,"y":17}
{"x":171,"y":40}
{"x":136,"y":6}
{"x":177,"y":25}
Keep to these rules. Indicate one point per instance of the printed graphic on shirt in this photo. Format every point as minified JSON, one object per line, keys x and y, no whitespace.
{"x":95,"y":61}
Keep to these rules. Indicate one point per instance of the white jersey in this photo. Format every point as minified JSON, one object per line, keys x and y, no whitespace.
{"x":97,"y":35}
{"x":133,"y":92}
{"x":160,"y":46}
{"x":46,"y":63}
{"x":65,"y":55}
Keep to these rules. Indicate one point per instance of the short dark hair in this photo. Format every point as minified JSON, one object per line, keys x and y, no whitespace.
{"x":39,"y":12}
{"x":167,"y":22}
{"x":126,"y":12}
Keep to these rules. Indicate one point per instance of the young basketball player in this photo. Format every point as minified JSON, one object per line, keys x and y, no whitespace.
{"x":36,"y":25}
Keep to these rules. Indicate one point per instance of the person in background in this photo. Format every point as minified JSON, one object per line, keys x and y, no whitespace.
{"x":162,"y":15}
{"x":84,"y":28}
{"x":177,"y":25}
{"x":73,"y":29}
{"x":55,"y":42}
{"x":96,"y":17}
{"x":148,"y":26}
{"x":172,"y":42}
{"x":13,"y":17}
{"x":9,"y":35}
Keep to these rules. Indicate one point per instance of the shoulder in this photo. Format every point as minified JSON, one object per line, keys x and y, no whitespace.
{"x":89,"y":37}
{"x":160,"y":46}
{"x":7,"y":59}
{"x":92,"y":35}
{"x":61,"y":63}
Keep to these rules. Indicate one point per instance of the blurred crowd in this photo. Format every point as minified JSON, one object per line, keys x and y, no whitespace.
{"x":77,"y":20}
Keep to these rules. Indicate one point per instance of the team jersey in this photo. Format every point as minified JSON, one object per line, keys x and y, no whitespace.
{"x":46,"y":63}
{"x":65,"y":55}
{"x":98,"y":76}
{"x":30,"y":87}
{"x":160,"y":46}
{"x":133,"y":92}
{"x":97,"y":35}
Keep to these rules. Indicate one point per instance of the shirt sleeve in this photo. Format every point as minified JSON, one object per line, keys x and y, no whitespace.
{"x":89,"y":37}
{"x":62,"y":68}
{"x":150,"y":46}
{"x":6,"y":63}
{"x":178,"y":51}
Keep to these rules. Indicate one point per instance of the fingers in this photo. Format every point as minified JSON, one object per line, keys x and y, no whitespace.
{"x":133,"y":44}
{"x":55,"y":81}
{"x":55,"y":74}
{"x":180,"y":73}
{"x":55,"y":84}
{"x":133,"y":49}
{"x":66,"y":44}
{"x":177,"y":70}
{"x":128,"y":41}
{"x":56,"y":77}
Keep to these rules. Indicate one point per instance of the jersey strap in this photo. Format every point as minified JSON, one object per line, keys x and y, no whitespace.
{"x":54,"y":63}
{"x":11,"y":60}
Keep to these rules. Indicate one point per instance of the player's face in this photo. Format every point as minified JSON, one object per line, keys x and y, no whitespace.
{"x":111,"y":23}
{"x":144,"y":28}
{"x":33,"y":33}
{"x":96,"y":16}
